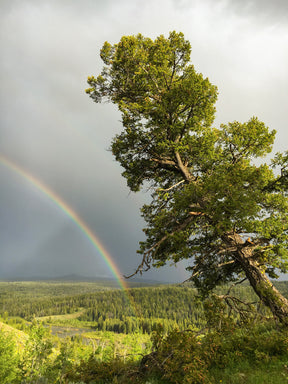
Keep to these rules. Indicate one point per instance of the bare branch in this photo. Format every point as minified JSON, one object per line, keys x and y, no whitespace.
{"x":163,"y":161}
{"x":237,"y":305}
{"x":196,"y":213}
{"x":173,"y":186}
{"x":228,"y":249}
{"x":224,"y":264}
{"x":145,"y":264}
{"x":235,"y":300}
{"x":237,"y":283}
{"x":182,"y":168}
{"x":186,"y":281}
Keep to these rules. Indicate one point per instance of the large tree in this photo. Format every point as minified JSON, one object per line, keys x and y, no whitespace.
{"x":212,"y":203}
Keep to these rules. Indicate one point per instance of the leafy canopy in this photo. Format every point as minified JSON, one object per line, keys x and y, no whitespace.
{"x":204,"y":180}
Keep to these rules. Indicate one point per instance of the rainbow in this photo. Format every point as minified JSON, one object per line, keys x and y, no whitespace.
{"x":73,"y":215}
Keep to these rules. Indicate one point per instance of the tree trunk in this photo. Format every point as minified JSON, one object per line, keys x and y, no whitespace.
{"x":262,"y":286}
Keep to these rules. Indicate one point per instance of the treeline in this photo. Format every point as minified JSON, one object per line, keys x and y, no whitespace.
{"x":129,"y":325}
{"x":141,"y":309}
{"x":138,"y":309}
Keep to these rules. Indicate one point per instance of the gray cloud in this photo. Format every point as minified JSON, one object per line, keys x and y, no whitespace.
{"x":275,"y":11}
{"x":55,"y":257}
{"x":261,"y":10}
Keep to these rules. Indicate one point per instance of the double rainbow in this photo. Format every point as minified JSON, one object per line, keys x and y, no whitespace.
{"x":73,"y":215}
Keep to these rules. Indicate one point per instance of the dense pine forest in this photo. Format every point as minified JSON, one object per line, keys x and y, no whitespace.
{"x":114,"y":310}
{"x":138,"y":309}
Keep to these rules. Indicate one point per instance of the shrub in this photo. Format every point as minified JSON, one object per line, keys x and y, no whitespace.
{"x":8,"y":358}
{"x":96,"y":371}
{"x":184,"y":358}
{"x":178,"y":357}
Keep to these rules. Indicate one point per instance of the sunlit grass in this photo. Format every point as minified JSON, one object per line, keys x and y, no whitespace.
{"x":19,"y":336}
{"x":275,"y":372}
{"x":67,"y":316}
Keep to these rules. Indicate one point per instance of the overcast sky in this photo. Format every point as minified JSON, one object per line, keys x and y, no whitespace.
{"x":52,"y":130}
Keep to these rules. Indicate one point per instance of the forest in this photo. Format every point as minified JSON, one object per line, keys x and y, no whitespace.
{"x":114,"y":310}
{"x":79,"y":332}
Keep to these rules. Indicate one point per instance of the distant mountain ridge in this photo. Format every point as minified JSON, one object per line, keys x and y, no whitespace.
{"x":79,"y":278}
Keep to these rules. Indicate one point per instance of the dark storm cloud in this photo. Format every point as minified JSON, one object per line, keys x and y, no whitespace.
{"x":55,"y":257}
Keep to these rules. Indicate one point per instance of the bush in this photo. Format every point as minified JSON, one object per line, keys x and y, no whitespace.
{"x":8,"y":358}
{"x":178,"y":357}
{"x":184,"y":358}
{"x":255,"y":343}
{"x":96,"y":371}
{"x":37,"y":354}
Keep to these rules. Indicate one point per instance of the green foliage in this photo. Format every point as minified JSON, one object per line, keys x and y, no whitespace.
{"x":179,"y":358}
{"x":95,"y":371}
{"x":8,"y":358}
{"x":37,"y":353}
{"x":258,"y":344}
{"x":58,"y":367}
{"x":188,"y":357}
{"x":210,"y":203}
{"x":185,"y":358}
{"x":161,"y":97}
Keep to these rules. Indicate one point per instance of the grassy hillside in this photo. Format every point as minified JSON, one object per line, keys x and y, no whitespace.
{"x":20,"y":337}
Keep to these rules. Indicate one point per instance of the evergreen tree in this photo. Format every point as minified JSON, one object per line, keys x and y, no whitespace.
{"x":210,"y":203}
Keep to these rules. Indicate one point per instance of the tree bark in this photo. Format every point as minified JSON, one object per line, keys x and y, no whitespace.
{"x":262,"y":286}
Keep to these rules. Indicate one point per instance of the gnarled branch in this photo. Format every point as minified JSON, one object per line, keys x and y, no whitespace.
{"x":145,"y":264}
